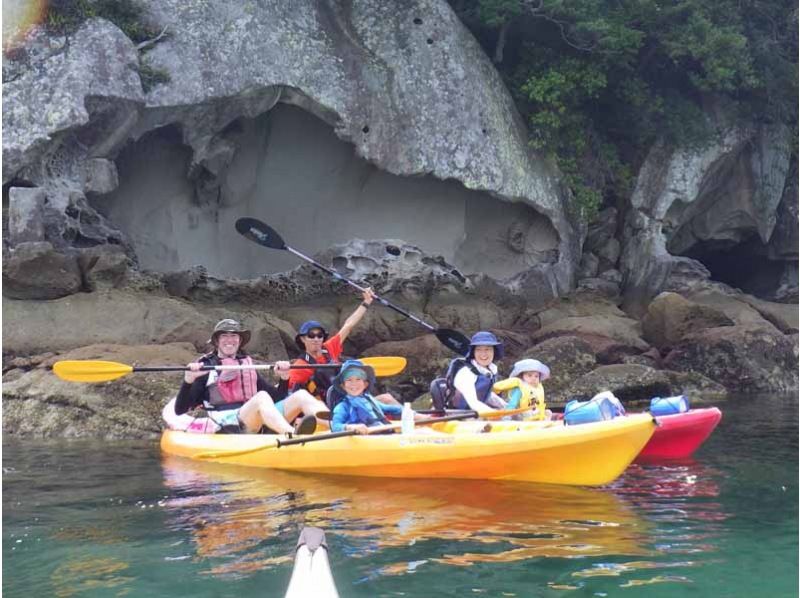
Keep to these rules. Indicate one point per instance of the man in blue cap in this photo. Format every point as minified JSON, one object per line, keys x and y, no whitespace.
{"x":312,"y":339}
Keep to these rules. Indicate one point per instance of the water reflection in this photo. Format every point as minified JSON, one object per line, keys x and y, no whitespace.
{"x":681,"y":499}
{"x":231,"y":513}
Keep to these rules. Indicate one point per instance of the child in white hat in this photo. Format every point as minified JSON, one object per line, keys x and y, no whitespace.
{"x":525,"y":386}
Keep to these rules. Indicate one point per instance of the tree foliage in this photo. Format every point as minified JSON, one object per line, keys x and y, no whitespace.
{"x":65,"y":16}
{"x":599,"y":80}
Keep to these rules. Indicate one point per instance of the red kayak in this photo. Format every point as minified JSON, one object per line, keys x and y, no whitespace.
{"x":681,"y":434}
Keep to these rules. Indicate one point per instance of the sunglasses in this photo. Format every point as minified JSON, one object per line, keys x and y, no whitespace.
{"x":313,"y":335}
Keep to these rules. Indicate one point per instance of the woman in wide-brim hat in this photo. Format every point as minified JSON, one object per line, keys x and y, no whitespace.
{"x":241,"y":400}
{"x":477,"y":374}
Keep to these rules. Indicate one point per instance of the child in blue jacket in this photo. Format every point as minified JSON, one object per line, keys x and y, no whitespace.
{"x":358,"y":411}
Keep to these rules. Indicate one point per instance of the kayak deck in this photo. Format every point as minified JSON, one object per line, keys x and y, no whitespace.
{"x":678,"y":436}
{"x":591,"y":454}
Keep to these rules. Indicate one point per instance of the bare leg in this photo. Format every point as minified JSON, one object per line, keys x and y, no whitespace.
{"x":260,"y":410}
{"x":387,"y":399}
{"x":301,"y":401}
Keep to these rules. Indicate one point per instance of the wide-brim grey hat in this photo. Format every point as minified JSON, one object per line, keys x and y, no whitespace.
{"x":530,"y":365}
{"x":230,"y":325}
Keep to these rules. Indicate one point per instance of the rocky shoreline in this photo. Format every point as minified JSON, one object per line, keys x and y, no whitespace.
{"x":706,"y":343}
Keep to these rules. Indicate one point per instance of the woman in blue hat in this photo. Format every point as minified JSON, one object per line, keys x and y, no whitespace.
{"x":473,"y":382}
{"x":312,"y":339}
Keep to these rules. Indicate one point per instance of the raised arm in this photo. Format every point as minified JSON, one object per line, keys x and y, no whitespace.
{"x":367,"y":298}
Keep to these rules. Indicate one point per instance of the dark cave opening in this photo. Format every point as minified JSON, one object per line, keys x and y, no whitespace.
{"x":744,"y":266}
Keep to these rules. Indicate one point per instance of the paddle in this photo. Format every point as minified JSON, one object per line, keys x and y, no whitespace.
{"x":279,"y":442}
{"x":260,"y":233}
{"x":497,"y":414}
{"x":103,"y":371}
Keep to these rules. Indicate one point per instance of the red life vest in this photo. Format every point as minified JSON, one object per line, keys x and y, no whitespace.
{"x":322,"y":379}
{"x":233,"y":387}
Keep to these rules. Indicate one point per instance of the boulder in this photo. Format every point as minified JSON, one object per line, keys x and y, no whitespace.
{"x":625,"y":331}
{"x":55,"y":117}
{"x":115,"y":316}
{"x":568,"y":358}
{"x":38,"y":404}
{"x":741,"y":309}
{"x":103,"y":266}
{"x":784,"y":316}
{"x":25,"y":215}
{"x":37,"y":271}
{"x":633,"y":383}
{"x":602,"y":287}
{"x":741,"y":358}
{"x":670,"y":317}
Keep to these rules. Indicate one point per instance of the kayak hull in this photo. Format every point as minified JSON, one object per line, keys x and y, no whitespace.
{"x":678,"y":436}
{"x":588,"y":455}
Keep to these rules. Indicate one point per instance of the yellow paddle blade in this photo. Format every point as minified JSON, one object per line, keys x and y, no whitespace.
{"x":90,"y":371}
{"x":385,"y":366}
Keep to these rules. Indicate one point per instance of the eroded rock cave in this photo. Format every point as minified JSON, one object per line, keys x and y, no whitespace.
{"x":288,"y":168}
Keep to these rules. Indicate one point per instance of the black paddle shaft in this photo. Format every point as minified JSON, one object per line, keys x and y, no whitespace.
{"x":208,"y":368}
{"x":328,"y":436}
{"x":260,"y":233}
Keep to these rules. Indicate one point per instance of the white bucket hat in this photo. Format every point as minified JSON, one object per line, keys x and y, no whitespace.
{"x":530,"y":365}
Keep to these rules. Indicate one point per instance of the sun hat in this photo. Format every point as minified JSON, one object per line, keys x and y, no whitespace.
{"x":352,"y":366}
{"x":230,"y":325}
{"x":485,"y":338}
{"x":307,"y":327}
{"x":354,"y":372}
{"x":530,"y":365}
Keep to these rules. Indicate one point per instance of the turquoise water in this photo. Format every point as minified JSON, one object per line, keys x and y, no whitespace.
{"x":117,"y":519}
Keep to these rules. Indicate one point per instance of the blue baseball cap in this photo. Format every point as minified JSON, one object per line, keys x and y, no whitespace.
{"x":307,"y":327}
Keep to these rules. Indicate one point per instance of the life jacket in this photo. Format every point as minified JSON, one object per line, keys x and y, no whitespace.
{"x":233,"y":388}
{"x":322,"y":379}
{"x":364,"y":410}
{"x":367,"y":411}
{"x":444,"y":393}
{"x":522,"y":395}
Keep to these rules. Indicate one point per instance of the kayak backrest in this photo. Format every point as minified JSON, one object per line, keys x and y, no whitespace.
{"x":443,"y":390}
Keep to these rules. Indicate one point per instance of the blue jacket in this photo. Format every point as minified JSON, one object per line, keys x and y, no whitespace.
{"x":362,"y":409}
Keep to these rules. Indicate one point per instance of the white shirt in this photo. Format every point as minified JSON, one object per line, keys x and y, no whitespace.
{"x":464,"y":382}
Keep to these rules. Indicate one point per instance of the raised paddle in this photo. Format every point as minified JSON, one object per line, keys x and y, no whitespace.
{"x":260,"y":233}
{"x":103,"y":371}
{"x":279,"y":442}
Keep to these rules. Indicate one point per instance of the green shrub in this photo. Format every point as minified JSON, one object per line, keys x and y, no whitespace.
{"x":65,"y":16}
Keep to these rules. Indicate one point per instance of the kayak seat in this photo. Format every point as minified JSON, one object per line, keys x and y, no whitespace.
{"x":333,"y":397}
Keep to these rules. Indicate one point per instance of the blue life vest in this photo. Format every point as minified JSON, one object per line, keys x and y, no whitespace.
{"x":363,"y":410}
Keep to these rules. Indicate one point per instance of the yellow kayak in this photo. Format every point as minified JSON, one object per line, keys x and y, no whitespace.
{"x":586,"y":455}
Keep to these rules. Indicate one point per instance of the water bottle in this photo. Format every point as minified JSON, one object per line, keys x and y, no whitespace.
{"x":407,"y":419}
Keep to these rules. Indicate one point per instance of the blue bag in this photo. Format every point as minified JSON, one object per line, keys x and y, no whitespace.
{"x":669,"y":405}
{"x":584,"y":412}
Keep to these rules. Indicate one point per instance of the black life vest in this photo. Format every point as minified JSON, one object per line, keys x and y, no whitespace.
{"x":322,"y":378}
